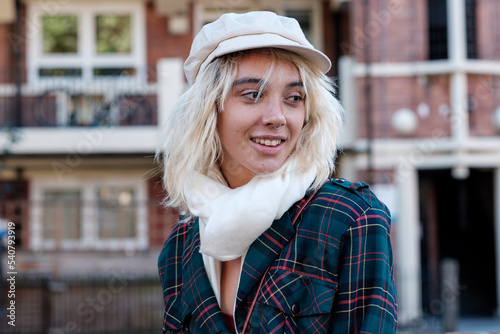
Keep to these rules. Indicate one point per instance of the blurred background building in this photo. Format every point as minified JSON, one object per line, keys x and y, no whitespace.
{"x":85,"y":86}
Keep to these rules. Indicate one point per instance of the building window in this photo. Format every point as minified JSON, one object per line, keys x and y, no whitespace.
{"x":62,"y":214}
{"x":87,"y":41}
{"x":113,"y":34}
{"x":116,"y":212}
{"x":470,"y":17}
{"x":60,"y":34}
{"x":438,"y":29}
{"x":305,"y":18}
{"x":99,"y":214}
{"x":308,"y":13}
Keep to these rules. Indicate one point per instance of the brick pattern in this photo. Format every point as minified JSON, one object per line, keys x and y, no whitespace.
{"x":488,"y":28}
{"x":395,"y":31}
{"x":398,"y":33}
{"x":6,"y":56}
{"x":161,"y":219}
{"x":10,"y":42}
{"x":483,"y":100}
{"x":392,"y":94}
{"x":380,"y":176}
{"x":161,"y":43}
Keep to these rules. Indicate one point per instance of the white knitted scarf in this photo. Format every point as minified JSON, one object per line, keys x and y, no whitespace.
{"x":231,"y":219}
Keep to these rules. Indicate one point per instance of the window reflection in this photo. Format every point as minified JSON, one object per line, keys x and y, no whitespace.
{"x":60,"y":34}
{"x":116,"y":213}
{"x":113,"y":34}
{"x":62,"y":215}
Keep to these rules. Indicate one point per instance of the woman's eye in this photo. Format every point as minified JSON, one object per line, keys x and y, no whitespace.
{"x":254,"y":95}
{"x":295,"y":98}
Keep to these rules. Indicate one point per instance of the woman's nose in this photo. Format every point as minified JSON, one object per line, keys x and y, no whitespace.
{"x":274,"y":112}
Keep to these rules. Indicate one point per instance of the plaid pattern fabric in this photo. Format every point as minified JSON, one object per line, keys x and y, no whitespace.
{"x":330,"y":272}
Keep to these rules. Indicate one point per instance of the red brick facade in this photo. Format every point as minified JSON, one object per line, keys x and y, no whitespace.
{"x":161,"y":219}
{"x":488,"y":27}
{"x":160,"y":42}
{"x":397,"y":31}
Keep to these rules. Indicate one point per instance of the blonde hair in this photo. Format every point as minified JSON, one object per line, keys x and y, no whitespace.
{"x":190,"y":141}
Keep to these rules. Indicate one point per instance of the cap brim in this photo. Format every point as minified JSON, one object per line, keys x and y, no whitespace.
{"x":255,"y":41}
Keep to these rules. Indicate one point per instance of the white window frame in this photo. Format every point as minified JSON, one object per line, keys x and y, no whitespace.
{"x":316,"y":19}
{"x":201,"y":14}
{"x":208,"y":11}
{"x":86,"y":57}
{"x":89,"y":234}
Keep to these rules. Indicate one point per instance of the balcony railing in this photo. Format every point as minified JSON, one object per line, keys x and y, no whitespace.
{"x":65,"y":102}
{"x":119,"y":302}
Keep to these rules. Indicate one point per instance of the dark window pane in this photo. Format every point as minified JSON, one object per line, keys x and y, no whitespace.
{"x":470,"y":15}
{"x":60,"y":72}
{"x":438,"y":29}
{"x":304,"y":19}
{"x":60,"y":34}
{"x":113,"y":34}
{"x":114,"y":72}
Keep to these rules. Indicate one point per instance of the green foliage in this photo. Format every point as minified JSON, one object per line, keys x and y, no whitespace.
{"x":113,"y":34}
{"x":60,"y":34}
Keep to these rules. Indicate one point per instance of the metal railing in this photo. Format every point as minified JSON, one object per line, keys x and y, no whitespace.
{"x":116,"y":303}
{"x":63,"y":102}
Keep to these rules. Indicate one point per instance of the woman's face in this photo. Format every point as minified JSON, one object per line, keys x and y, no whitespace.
{"x":253,"y":108}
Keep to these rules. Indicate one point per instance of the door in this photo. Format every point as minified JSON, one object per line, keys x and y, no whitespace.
{"x":457,"y":217}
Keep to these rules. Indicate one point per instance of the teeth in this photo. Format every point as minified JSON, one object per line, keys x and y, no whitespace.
{"x":267,"y":142}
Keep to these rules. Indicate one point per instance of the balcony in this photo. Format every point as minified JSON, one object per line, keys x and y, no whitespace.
{"x":122,"y":110}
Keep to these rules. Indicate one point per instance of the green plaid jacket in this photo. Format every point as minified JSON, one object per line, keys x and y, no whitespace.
{"x":330,"y":272}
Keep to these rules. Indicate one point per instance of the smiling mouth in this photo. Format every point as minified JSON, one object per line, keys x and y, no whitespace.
{"x":267,"y":142}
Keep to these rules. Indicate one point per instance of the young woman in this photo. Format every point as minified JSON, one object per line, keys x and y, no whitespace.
{"x":267,"y":243}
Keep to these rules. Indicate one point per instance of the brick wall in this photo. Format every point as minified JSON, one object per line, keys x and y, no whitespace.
{"x":488,"y":29}
{"x":484,"y":97}
{"x":7,"y":55}
{"x":10,"y":42}
{"x":5,"y":51}
{"x":161,"y":219}
{"x":415,"y":93}
{"x":399,"y":34}
{"x":162,"y":44}
{"x":396,"y":30}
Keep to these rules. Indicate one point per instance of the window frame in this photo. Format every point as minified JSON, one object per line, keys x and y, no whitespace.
{"x":202,"y":15}
{"x":442,"y":51}
{"x":316,"y":19}
{"x":89,"y":225}
{"x":86,"y":58}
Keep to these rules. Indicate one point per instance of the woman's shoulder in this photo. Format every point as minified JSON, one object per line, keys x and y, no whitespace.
{"x":351,"y":196}
{"x":171,"y":257}
{"x":182,"y":228}
{"x":180,"y":235}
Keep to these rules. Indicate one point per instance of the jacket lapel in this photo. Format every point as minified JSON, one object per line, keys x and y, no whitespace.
{"x":262,"y":253}
{"x":199,"y":299}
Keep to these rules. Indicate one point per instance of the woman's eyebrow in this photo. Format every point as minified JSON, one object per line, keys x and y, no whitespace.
{"x":257,"y":81}
{"x":295,"y":84}
{"x":243,"y":81}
